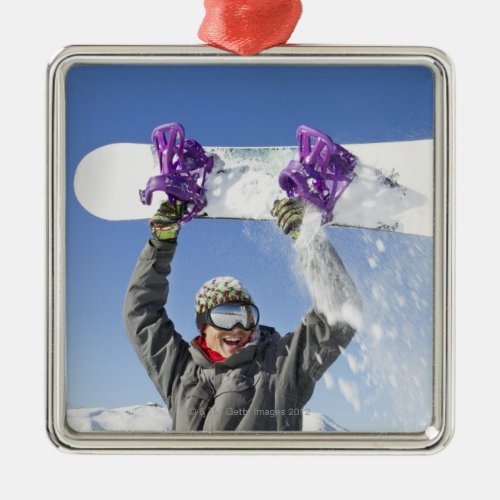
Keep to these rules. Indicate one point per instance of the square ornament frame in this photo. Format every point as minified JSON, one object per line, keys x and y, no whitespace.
{"x":435,"y":437}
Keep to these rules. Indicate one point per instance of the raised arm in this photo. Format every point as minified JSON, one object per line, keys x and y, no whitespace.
{"x":152,"y":334}
{"x":308,"y":352}
{"x":332,"y":290}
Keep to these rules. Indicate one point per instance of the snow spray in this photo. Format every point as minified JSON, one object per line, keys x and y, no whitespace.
{"x":386,"y":376}
{"x":333,"y":293}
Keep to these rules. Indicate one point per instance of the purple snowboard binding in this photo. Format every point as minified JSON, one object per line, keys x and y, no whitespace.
{"x":183,"y":166}
{"x":321,"y":175}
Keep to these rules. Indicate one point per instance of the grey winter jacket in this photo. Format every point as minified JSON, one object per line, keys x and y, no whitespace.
{"x":262,"y":387}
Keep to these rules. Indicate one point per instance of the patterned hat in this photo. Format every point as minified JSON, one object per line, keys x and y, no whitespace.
{"x":221,"y":290}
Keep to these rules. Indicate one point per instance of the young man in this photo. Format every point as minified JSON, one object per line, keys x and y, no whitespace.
{"x":238,"y":375}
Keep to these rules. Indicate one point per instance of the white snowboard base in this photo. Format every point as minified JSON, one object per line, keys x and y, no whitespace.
{"x":392,"y":189}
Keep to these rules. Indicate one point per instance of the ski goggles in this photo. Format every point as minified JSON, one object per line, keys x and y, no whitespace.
{"x":229,"y":316}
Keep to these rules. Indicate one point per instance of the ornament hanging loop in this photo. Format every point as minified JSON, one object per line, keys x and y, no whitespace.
{"x":247,"y":27}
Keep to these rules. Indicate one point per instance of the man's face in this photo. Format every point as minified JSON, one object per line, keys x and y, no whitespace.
{"x":226,"y":342}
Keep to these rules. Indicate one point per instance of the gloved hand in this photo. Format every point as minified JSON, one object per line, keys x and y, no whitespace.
{"x":289,"y":213}
{"x":165,"y":223}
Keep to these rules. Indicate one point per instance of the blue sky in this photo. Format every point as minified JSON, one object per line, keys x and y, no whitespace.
{"x":251,"y":106}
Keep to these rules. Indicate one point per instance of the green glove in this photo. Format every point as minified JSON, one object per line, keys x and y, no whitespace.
{"x":289,"y":213}
{"x":165,"y":223}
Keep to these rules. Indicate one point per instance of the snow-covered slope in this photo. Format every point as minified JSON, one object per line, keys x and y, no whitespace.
{"x":154,"y":418}
{"x":147,"y":418}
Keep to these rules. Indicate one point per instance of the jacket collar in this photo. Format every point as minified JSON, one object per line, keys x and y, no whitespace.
{"x":260,"y":338}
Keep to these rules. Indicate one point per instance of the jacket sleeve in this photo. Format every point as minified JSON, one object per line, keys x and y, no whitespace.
{"x":305,"y":355}
{"x":160,"y":348}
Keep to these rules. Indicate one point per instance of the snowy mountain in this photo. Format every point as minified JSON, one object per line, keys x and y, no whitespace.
{"x":154,"y":418}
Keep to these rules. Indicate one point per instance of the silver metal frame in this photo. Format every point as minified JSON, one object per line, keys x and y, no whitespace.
{"x":434,"y":438}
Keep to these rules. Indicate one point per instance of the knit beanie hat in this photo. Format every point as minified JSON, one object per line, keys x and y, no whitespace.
{"x":217,"y":291}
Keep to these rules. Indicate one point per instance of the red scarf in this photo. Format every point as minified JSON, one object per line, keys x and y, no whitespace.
{"x":212,"y":355}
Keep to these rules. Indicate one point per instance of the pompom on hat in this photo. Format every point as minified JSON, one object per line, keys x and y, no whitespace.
{"x":217,"y":291}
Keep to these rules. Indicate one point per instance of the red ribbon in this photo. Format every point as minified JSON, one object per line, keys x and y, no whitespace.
{"x":248,"y":27}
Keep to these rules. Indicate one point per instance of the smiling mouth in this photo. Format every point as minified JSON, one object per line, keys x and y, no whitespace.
{"x":232,"y":341}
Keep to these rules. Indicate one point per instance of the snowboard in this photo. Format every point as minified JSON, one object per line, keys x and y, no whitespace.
{"x":392,"y":188}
